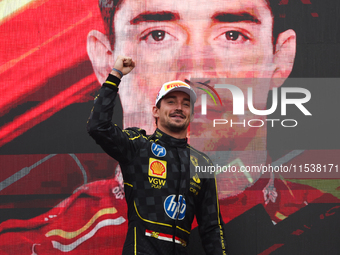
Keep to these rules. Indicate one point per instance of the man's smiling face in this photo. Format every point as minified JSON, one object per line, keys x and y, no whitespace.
{"x":174,"y":113}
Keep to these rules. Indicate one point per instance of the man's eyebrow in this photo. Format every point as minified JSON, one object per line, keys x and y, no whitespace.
{"x":235,"y":17}
{"x":154,"y":17}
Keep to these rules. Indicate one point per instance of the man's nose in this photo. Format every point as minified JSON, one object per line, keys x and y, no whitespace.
{"x":196,"y":59}
{"x":179,"y":107}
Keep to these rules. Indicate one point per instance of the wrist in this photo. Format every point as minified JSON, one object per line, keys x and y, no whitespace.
{"x":117,"y":73}
{"x":112,"y":81}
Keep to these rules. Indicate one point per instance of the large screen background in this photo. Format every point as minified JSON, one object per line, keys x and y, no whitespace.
{"x":57,"y":187}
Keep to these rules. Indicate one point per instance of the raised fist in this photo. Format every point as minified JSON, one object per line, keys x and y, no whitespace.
{"x":123,"y":64}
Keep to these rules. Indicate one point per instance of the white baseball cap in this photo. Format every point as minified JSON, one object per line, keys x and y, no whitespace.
{"x":172,"y":86}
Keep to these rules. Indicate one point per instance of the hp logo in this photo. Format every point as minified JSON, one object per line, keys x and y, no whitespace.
{"x":175,"y":210}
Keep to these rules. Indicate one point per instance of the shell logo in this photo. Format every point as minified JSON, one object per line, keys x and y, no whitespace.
{"x":157,"y":168}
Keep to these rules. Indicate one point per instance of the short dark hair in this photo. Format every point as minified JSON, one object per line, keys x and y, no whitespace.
{"x":108,"y":9}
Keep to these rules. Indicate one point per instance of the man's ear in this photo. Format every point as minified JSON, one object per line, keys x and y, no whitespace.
{"x":284,"y":56}
{"x":100,"y":54}
{"x":155,"y":111}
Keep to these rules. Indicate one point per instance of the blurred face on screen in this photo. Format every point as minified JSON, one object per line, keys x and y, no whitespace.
{"x":178,"y":40}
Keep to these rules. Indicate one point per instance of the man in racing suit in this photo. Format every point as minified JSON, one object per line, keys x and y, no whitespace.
{"x":162,"y":190}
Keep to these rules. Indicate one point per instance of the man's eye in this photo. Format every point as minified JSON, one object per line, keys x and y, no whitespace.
{"x":158,"y":35}
{"x":233,"y":36}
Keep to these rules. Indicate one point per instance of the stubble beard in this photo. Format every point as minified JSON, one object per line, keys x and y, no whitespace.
{"x":176,"y":128}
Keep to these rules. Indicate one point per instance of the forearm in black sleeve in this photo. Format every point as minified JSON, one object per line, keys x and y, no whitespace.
{"x":101,"y":113}
{"x":100,"y":127}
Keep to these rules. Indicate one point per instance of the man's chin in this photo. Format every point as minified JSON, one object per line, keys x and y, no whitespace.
{"x":177,"y":127}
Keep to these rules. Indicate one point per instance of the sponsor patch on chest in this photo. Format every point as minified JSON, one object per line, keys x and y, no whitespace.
{"x":157,"y":173}
{"x":194,"y":160}
{"x":157,"y":168}
{"x":158,"y":150}
{"x":195,"y":184}
{"x":175,"y":209}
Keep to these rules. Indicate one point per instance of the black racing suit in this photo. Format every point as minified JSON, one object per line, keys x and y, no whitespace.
{"x":161,"y":194}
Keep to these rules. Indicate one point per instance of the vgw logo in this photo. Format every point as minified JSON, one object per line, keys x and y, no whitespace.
{"x":175,"y":210}
{"x":239,"y":103}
